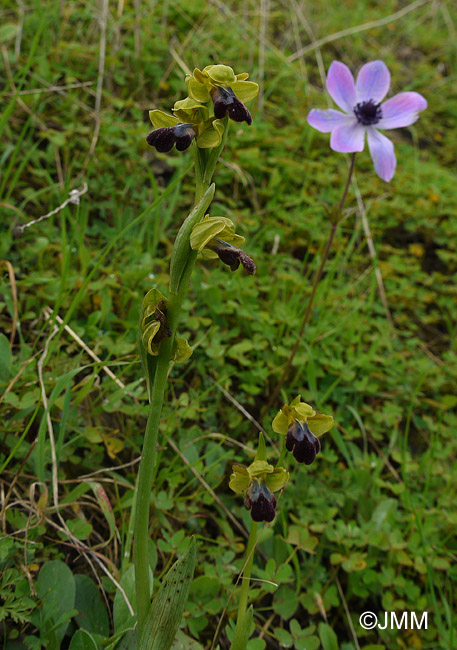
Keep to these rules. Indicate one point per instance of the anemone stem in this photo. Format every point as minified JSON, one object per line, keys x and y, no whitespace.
{"x":317,"y":279}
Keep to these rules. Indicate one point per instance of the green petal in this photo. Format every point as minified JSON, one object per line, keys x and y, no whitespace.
{"x":181,"y":350}
{"x":218,"y":125}
{"x":191,"y":111}
{"x":148,"y":334}
{"x":187,"y":104}
{"x":239,"y":479}
{"x":229,"y":226}
{"x":281,"y":423}
{"x":242,"y":76}
{"x":245,"y":90}
{"x":204,"y":232}
{"x":160,"y":119}
{"x":197,"y":90}
{"x":208,"y":254}
{"x":199,"y":75}
{"x":210,"y":137}
{"x":220,"y":74}
{"x":259,"y":467}
{"x":303,"y":411}
{"x":150,"y":302}
{"x":234,"y":239}
{"x":277,"y":480}
{"x":320,"y":424}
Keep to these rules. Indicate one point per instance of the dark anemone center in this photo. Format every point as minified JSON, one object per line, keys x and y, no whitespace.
{"x":368,"y":113}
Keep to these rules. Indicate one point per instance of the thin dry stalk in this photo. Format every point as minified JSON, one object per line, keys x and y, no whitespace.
{"x":359,"y":28}
{"x":20,"y":26}
{"x":310,"y":33}
{"x":208,"y":488}
{"x":348,"y":614}
{"x":12,"y":277}
{"x":101,"y":74}
{"x":74,"y":196}
{"x":264,"y":14}
{"x":48,"y":313}
{"x":86,"y":550}
{"x":51,"y":89}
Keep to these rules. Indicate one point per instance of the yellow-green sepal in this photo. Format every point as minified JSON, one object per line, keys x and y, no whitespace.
{"x":196,"y":87}
{"x":211,"y":133}
{"x":245,"y":90}
{"x":239,"y":479}
{"x":189,"y":110}
{"x":160,"y":119}
{"x":150,"y":303}
{"x":320,"y":424}
{"x":187,"y":104}
{"x":181,"y":350}
{"x":211,"y":227}
{"x":280,"y":423}
{"x":277,"y":479}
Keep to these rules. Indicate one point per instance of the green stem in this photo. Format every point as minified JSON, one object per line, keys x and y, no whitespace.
{"x":239,"y":637}
{"x":283,"y":452}
{"x":144,"y":486}
{"x":146,"y":469}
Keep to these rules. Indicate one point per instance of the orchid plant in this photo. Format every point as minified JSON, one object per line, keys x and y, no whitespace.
{"x":200,"y":123}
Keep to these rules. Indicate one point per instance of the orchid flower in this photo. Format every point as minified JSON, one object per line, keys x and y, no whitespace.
{"x":364,"y":113}
{"x":302,"y":426}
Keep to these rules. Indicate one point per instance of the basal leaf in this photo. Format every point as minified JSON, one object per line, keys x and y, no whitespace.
{"x":165,"y":614}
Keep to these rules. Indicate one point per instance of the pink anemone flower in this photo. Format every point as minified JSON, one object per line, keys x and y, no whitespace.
{"x":364,"y":113}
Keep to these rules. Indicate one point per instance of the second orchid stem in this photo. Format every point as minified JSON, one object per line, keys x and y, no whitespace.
{"x":240,"y":637}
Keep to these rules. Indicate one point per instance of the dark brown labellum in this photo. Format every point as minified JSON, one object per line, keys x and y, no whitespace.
{"x":302,"y":443}
{"x":233,"y":256}
{"x":225,"y":101}
{"x":163,"y":139}
{"x":260,"y":501}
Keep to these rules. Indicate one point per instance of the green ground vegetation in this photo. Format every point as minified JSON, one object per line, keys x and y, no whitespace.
{"x":371,"y":525}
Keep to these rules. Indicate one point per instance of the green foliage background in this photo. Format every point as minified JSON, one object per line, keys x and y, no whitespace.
{"x":371,"y":524}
